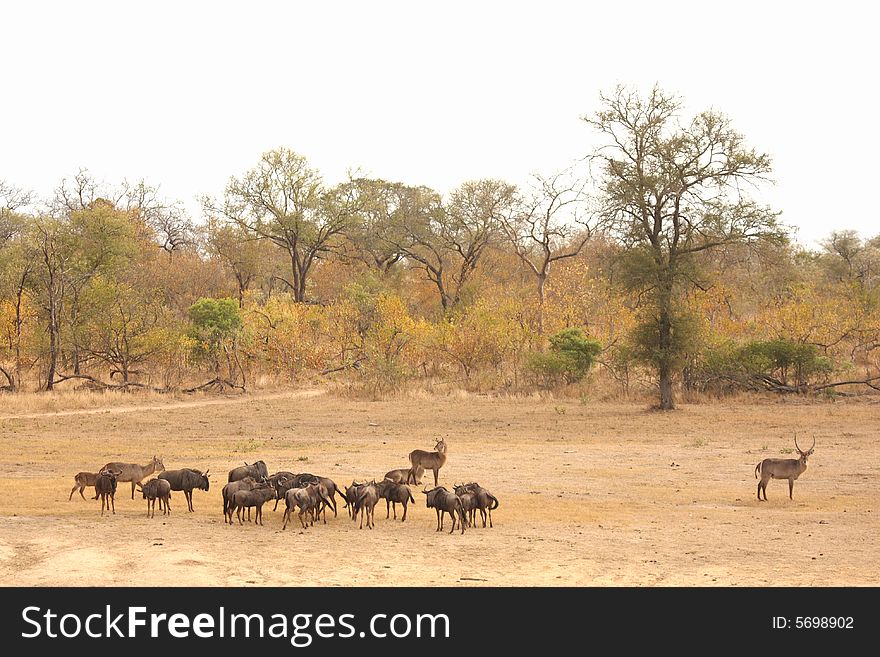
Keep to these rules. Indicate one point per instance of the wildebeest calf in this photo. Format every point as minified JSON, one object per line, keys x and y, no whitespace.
{"x":256,"y":497}
{"x":156,"y":489}
{"x":231,"y":489}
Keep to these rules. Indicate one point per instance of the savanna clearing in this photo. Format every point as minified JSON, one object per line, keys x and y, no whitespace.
{"x":591,"y":494}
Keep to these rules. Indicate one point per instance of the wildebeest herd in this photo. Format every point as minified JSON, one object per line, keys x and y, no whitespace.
{"x":250,"y":486}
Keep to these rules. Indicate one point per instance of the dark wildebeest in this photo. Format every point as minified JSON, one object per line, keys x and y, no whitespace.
{"x":157,"y":489}
{"x":82,"y":480}
{"x":330,"y":490}
{"x":186,"y":479}
{"x":308,"y":499}
{"x":275,"y":481}
{"x":256,"y":470}
{"x":231,"y":489}
{"x":351,"y":495}
{"x":366,"y":504}
{"x":442,"y":501}
{"x":135,"y":473}
{"x":486,"y":502}
{"x":105,"y":488}
{"x":393,"y":493}
{"x":288,"y":480}
{"x":256,"y":497}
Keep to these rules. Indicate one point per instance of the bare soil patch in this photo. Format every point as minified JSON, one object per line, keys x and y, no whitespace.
{"x":595,"y":494}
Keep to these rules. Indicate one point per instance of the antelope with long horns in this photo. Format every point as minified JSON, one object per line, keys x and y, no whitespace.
{"x":789,"y":469}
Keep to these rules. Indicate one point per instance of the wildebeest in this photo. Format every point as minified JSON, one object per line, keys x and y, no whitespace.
{"x":230,"y":489}
{"x":331,"y":488}
{"x":186,"y":479}
{"x":393,"y":493}
{"x":135,"y":473}
{"x":351,"y":495}
{"x":486,"y":501}
{"x":256,"y":470}
{"x":287,"y":480}
{"x":442,"y":501}
{"x":255,"y":497}
{"x":422,"y":460}
{"x":308,"y":499}
{"x":82,"y":480}
{"x":789,"y":469}
{"x":157,"y":489}
{"x":365,"y":504}
{"x":105,"y":488}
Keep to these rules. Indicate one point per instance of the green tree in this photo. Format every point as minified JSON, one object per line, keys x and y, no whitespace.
{"x":285,"y":201}
{"x":670,"y":190}
{"x":215,"y":327}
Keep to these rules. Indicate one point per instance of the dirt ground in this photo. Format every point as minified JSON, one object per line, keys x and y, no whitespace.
{"x":598,"y":494}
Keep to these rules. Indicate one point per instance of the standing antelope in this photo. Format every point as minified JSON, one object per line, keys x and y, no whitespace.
{"x":789,"y":469}
{"x":422,"y":460}
{"x":135,"y":473}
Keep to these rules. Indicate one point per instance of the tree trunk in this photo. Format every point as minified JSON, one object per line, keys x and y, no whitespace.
{"x":542,"y":280}
{"x":667,"y":403}
{"x":53,"y":347}
{"x":18,"y":325}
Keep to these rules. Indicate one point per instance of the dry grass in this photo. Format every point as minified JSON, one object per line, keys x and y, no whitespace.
{"x":591,"y":493}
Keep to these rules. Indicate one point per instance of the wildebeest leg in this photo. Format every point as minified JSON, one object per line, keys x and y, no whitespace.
{"x":277,"y":499}
{"x":133,"y":483}
{"x":387,"y":509}
{"x":404,"y":511}
{"x":790,"y":488}
{"x":113,"y":502}
{"x":438,"y":520}
{"x":452,"y":513}
{"x":394,"y":506}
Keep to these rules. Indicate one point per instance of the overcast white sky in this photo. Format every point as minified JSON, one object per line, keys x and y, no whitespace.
{"x":186,"y":94}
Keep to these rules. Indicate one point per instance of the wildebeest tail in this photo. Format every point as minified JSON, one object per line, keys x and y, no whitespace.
{"x":495,"y":500}
{"x":757,"y":469}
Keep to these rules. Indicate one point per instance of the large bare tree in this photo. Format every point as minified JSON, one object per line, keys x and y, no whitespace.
{"x":549,"y":224}
{"x":671,"y":189}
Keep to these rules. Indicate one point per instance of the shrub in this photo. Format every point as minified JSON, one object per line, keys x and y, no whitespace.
{"x":569,"y":359}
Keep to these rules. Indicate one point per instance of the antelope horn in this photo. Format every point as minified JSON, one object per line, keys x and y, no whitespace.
{"x":796,"y":445}
{"x":814,"y":443}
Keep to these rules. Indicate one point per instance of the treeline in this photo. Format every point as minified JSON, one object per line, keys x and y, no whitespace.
{"x":648,"y":268}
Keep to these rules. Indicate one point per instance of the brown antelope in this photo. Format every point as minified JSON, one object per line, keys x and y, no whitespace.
{"x":83,"y":479}
{"x":789,"y":469}
{"x":422,"y":460}
{"x":135,"y":473}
